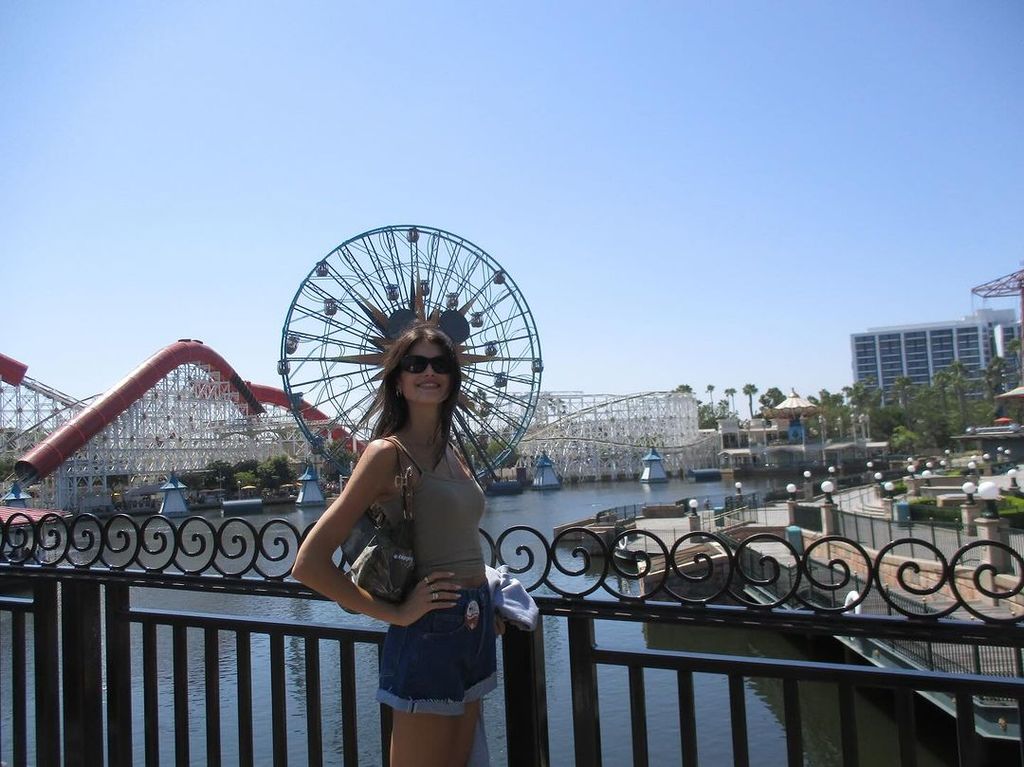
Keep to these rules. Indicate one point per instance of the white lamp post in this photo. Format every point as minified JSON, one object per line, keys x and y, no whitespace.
{"x":989,"y":492}
{"x":827,"y":487}
{"x":969,"y":489}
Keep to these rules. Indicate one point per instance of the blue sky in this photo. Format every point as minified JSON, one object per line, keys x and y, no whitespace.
{"x":685,"y":192}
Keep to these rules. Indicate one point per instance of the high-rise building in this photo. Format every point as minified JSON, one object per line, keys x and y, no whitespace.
{"x":881,"y":355}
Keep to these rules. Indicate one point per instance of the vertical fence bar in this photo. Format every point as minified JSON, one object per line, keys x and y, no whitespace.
{"x":848,"y":725}
{"x":150,"y":698}
{"x":19,"y":719}
{"x":1020,"y":720}
{"x":906,"y":728}
{"x":243,"y":661}
{"x":965,"y":729}
{"x":179,"y":655}
{"x":586,"y":720}
{"x":3,"y":667}
{"x":211,"y":670}
{"x":638,"y":715}
{"x":47,"y":684}
{"x":349,"y":733}
{"x":794,"y":727}
{"x":687,"y":719}
{"x":82,"y":675}
{"x":278,"y":704}
{"x":119,"y":674}
{"x":738,"y":715}
{"x":526,"y":707}
{"x":314,"y":735}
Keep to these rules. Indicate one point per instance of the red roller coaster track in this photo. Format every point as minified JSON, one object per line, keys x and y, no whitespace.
{"x":65,"y":441}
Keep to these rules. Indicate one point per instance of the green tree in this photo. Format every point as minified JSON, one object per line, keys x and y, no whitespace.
{"x":731,"y":394}
{"x":219,"y":474}
{"x":993,"y":377}
{"x":750,"y":390}
{"x":772,"y":397}
{"x":274,"y":472}
{"x":684,"y":389}
{"x":959,"y":381}
{"x":903,"y":440}
{"x":246,"y":478}
{"x":902,"y":387}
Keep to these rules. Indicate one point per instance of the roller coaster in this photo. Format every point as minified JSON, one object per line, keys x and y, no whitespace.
{"x":186,"y":407}
{"x":178,"y":411}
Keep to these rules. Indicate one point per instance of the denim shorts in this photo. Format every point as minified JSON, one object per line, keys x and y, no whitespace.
{"x":442,"y":661}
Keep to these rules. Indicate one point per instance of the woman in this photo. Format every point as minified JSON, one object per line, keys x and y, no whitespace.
{"x":439,"y":652}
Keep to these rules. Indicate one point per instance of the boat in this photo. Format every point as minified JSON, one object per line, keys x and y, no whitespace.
{"x":705,"y":475}
{"x":504,"y":487}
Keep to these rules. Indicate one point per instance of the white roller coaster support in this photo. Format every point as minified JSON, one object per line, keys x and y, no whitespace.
{"x":595,"y":436}
{"x":188,"y":420}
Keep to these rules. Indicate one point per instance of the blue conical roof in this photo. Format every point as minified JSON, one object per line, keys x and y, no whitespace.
{"x":16,"y":494}
{"x":652,"y":456}
{"x":544,"y":462}
{"x":173,"y":483}
{"x":309,"y":475}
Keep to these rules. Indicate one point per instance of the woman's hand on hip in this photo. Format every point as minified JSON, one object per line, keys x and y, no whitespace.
{"x":433,"y":592}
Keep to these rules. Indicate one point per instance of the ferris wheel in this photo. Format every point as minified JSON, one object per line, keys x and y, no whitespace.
{"x":360,"y":297}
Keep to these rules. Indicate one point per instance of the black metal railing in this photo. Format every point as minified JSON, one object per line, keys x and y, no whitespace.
{"x":88,"y":660}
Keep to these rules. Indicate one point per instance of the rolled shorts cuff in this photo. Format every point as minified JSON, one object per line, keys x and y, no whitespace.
{"x":442,"y":707}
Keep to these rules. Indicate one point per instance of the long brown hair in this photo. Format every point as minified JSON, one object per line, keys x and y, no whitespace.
{"x":393,"y":410}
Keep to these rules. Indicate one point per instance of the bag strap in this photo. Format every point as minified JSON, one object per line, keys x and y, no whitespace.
{"x":402,"y":477}
{"x":395,"y":441}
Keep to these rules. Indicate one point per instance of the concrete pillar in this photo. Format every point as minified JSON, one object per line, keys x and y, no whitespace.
{"x":889,"y":507}
{"x":791,"y":508}
{"x":808,"y":490}
{"x":996,"y":531}
{"x":913,"y":486}
{"x":829,"y":520}
{"x":969,"y":512}
{"x":691,"y":523}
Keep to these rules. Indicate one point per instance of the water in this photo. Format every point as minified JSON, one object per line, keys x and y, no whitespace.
{"x":542,"y":511}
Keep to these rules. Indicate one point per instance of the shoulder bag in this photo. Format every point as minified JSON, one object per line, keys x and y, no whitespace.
{"x":386,"y":565}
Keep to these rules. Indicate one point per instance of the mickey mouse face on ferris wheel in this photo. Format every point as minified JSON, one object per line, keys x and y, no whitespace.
{"x":359,"y":298}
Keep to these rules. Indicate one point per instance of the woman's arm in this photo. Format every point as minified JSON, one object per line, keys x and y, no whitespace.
{"x":372,"y":479}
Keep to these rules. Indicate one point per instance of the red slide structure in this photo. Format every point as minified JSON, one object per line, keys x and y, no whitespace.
{"x":11,"y":371}
{"x":62,"y":443}
{"x":268,"y":395}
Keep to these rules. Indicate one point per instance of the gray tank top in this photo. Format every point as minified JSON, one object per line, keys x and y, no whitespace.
{"x":447,"y":513}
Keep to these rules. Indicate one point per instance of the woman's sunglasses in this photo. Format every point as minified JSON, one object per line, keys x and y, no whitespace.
{"x":417,"y":363}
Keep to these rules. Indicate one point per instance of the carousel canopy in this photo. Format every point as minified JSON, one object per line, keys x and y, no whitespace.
{"x":793,"y":406}
{"x":1012,"y":394}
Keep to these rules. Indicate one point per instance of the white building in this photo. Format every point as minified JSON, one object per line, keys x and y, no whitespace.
{"x":882,"y":355}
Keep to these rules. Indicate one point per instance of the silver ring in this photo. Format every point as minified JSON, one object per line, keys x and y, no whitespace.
{"x":433,"y":596}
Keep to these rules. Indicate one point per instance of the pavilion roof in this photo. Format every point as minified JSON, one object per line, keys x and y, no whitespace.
{"x":794,"y":405}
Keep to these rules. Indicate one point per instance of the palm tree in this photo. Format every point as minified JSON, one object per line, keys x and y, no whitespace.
{"x":710,"y":390}
{"x":684,"y":389}
{"x":994,"y":372}
{"x":750,"y":390}
{"x":958,"y":379}
{"x":901,"y":387}
{"x":731,"y":394}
